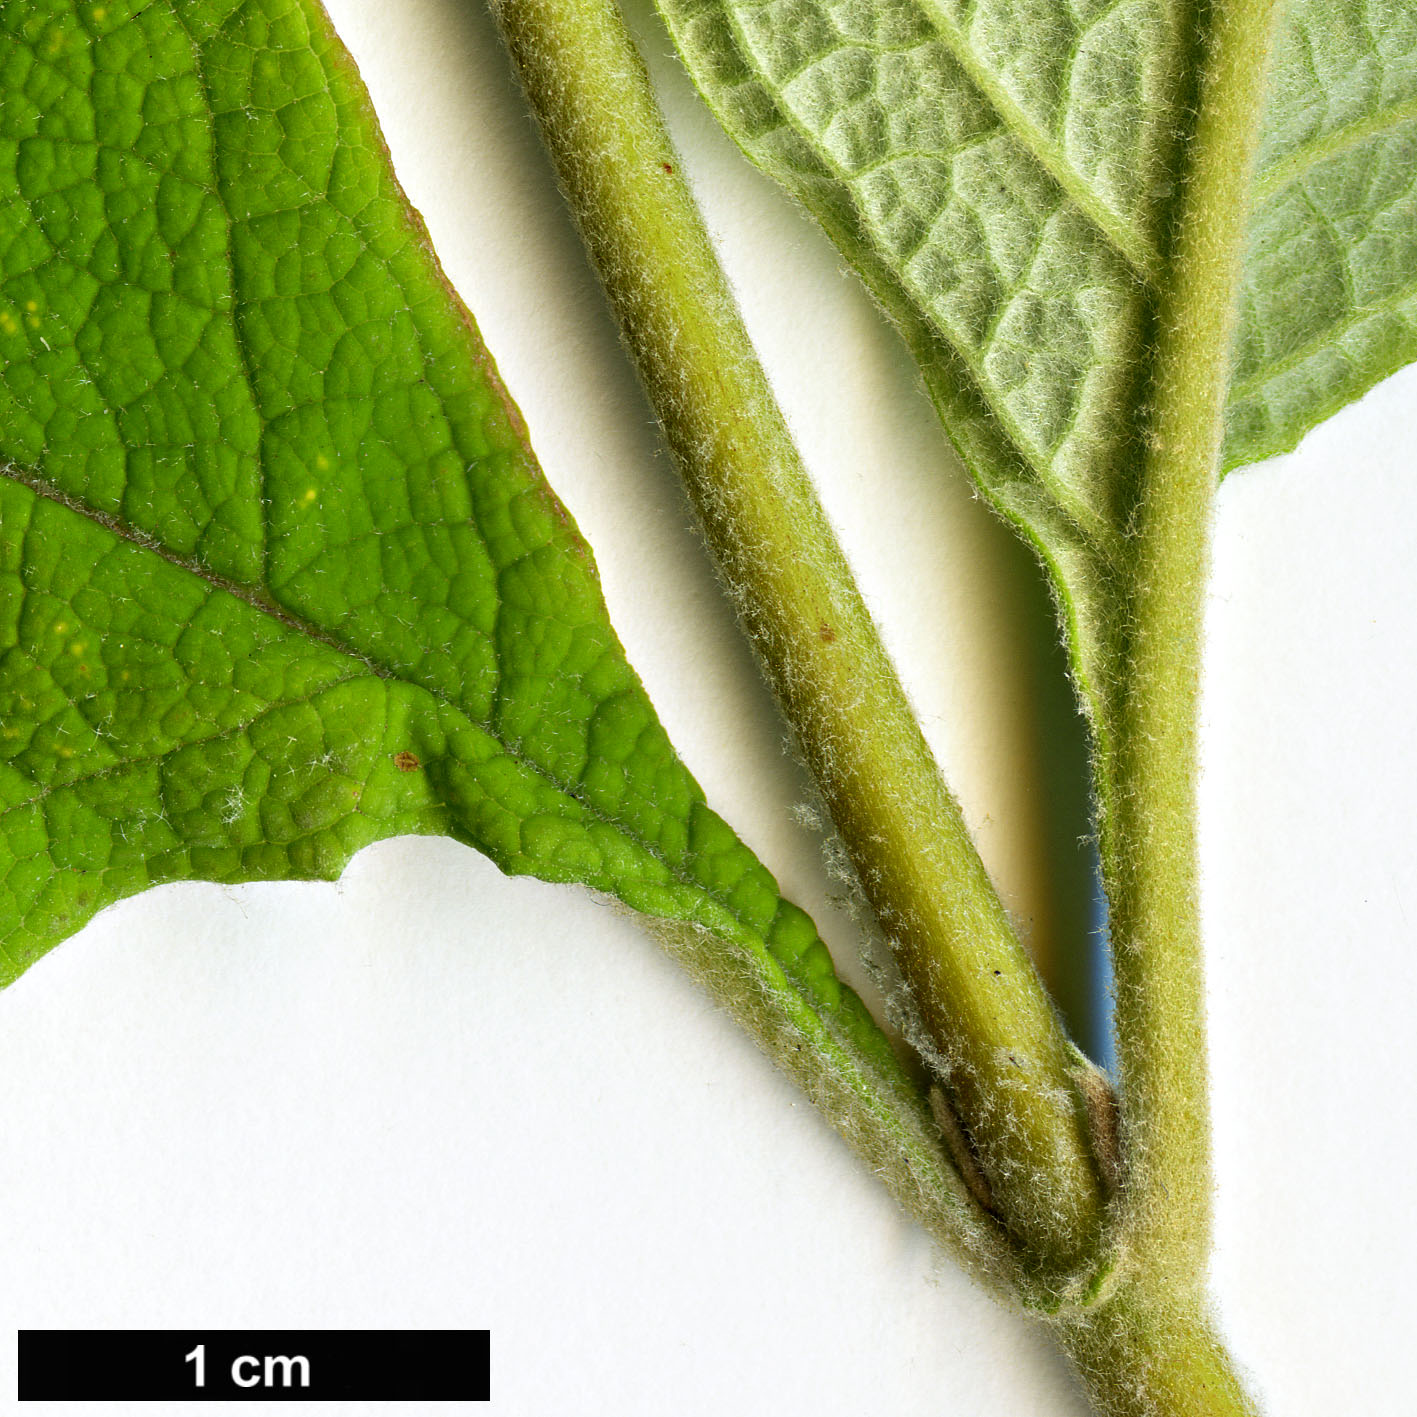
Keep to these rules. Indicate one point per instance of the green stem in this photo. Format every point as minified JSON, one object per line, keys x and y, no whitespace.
{"x":1008,"y":1067}
{"x":1145,"y":1352}
{"x":1148,"y":775}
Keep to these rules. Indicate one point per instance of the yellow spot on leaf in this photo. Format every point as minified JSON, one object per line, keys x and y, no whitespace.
{"x":310,"y":495}
{"x":8,"y":323}
{"x":321,"y":461}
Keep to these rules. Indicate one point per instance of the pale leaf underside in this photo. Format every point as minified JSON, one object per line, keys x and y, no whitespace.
{"x":1330,"y":297}
{"x":1000,"y":173}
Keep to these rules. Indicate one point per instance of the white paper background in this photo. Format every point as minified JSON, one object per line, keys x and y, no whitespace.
{"x":434,"y":1097}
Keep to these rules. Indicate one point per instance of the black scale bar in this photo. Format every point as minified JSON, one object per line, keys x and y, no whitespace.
{"x":254,"y":1365}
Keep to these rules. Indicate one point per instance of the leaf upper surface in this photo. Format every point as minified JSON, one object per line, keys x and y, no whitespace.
{"x":279,"y":575}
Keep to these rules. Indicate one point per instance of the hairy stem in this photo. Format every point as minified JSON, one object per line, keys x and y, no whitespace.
{"x":1148,"y":776}
{"x":1147,"y":1351}
{"x":1009,"y":1070}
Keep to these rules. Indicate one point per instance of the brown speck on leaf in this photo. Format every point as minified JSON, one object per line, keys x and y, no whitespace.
{"x":669,"y":167}
{"x":826,"y":634}
{"x":406,"y":761}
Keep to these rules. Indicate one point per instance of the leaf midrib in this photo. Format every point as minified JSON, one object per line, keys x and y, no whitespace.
{"x":254,"y":596}
{"x":258,"y":601}
{"x":886,"y":287}
{"x":262,"y":599}
{"x":239,"y":339}
{"x":1136,"y":249}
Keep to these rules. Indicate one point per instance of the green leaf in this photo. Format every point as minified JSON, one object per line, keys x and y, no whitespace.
{"x":279,"y":573}
{"x":1001,"y":173}
{"x":282,"y":576}
{"x":1330,"y":299}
